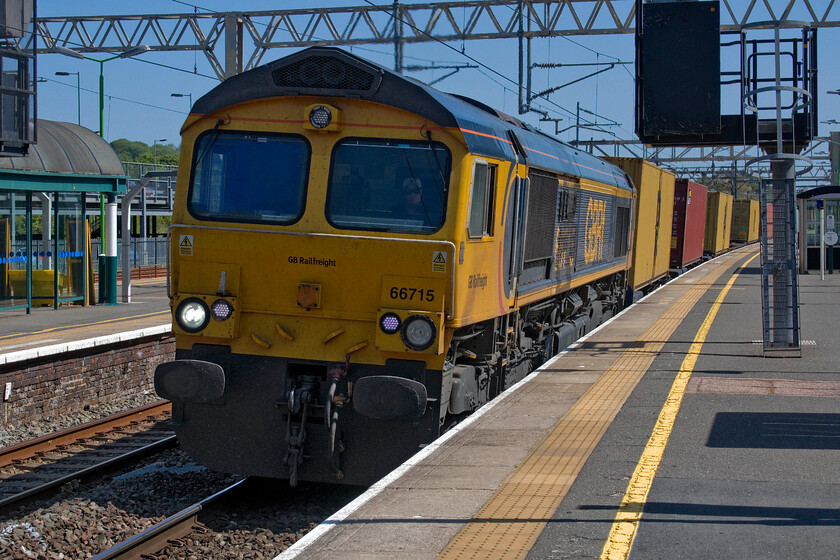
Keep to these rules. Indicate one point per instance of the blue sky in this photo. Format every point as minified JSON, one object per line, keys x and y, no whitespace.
{"x":139,"y":105}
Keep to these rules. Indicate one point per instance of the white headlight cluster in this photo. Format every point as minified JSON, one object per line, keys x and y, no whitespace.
{"x":418,"y":332}
{"x":192,"y":315}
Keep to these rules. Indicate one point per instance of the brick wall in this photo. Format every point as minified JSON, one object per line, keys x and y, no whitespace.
{"x":63,"y":383}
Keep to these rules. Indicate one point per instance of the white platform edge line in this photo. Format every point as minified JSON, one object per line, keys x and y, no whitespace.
{"x":33,"y":353}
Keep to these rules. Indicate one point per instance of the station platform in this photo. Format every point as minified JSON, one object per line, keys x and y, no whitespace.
{"x":50,"y":330}
{"x":663,"y":434}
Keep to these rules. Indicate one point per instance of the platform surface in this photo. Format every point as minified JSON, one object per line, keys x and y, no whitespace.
{"x":571,"y":463}
{"x":69,"y":324}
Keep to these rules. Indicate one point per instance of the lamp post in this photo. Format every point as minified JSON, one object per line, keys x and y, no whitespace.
{"x":182,"y":95}
{"x":78,"y":94}
{"x":139,"y":49}
{"x":155,"y":147}
{"x":108,"y":212}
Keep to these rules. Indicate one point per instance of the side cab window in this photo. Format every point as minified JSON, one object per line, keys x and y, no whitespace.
{"x":482,"y":197}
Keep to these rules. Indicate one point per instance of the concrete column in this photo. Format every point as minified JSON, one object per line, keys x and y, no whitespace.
{"x":110,"y":260}
{"x":144,"y":235}
{"x":138,"y":187}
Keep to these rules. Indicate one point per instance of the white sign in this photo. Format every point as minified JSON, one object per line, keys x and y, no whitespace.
{"x":185,"y":246}
{"x":830,"y":238}
{"x":438,"y":261}
{"x":829,"y":222}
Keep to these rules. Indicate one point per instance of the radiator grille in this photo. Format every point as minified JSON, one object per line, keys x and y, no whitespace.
{"x":542,"y":212}
{"x":622,"y":227}
{"x":323,"y":72}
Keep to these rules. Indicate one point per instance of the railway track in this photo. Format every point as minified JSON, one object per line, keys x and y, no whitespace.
{"x":150,"y":542}
{"x":43,"y":464}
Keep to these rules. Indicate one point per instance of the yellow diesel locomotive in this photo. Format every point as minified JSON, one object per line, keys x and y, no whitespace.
{"x":358,"y":260}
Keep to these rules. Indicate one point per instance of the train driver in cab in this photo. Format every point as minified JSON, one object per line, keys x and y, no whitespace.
{"x":412,"y":206}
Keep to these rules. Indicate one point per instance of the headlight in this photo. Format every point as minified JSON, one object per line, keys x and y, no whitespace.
{"x":192,"y":315}
{"x":221,"y":309}
{"x":390,"y":323}
{"x":320,"y":117}
{"x":418,"y":332}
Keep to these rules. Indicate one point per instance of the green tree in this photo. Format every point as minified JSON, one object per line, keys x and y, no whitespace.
{"x":20,"y":225}
{"x":136,"y":151}
{"x":128,"y":150}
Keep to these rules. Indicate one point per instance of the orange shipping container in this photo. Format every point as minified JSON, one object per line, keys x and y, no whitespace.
{"x":689,"y":223}
{"x":654,"y":214}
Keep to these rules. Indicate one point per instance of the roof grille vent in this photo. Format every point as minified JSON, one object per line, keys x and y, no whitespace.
{"x":325,"y":73}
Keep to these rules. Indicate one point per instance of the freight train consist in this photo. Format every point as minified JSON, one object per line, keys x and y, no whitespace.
{"x":359,"y":260}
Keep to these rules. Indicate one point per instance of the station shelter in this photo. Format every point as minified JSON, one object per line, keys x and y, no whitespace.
{"x":818,"y":210}
{"x":45,"y":255}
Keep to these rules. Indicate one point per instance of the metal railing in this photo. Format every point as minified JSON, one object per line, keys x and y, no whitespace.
{"x":159,"y":193}
{"x":144,"y":252}
{"x":137,"y":170}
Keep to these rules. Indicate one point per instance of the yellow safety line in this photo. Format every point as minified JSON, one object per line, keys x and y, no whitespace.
{"x":82,"y":326}
{"x":623,"y":532}
{"x":511,"y":520}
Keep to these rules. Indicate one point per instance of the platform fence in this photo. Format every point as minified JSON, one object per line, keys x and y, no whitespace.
{"x":149,"y":252}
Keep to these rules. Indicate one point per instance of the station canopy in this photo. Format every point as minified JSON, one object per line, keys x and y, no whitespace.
{"x":67,"y":157}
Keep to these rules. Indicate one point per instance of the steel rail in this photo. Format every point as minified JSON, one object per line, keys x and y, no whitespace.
{"x":30,"y":448}
{"x":154,"y":538}
{"x":169,"y":441}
